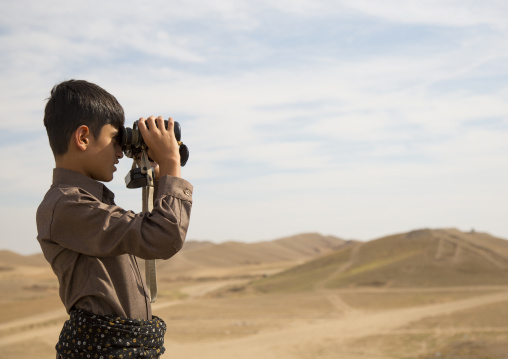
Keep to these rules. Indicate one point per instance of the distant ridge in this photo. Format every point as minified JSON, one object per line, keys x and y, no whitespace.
{"x":9,"y":258}
{"x":301,"y":247}
{"x":421,"y":258}
{"x":206,"y":254}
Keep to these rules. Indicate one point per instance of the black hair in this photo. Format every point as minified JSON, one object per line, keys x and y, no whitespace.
{"x":77,"y":102}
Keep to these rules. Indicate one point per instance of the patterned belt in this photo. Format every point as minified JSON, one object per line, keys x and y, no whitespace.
{"x":88,"y":335}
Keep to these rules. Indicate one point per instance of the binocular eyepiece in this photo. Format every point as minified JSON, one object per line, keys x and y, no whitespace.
{"x":132,"y":143}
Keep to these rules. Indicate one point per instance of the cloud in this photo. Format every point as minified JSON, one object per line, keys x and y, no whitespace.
{"x":436,"y":12}
{"x":355,"y":118}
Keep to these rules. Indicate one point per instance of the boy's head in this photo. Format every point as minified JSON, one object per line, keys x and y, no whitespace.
{"x":75,"y":103}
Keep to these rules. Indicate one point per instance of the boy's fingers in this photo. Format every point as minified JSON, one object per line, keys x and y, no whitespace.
{"x":160,"y":123}
{"x":145,"y":124}
{"x":157,"y":123}
{"x":171,"y":124}
{"x":151,"y":122}
{"x":142,"y":124}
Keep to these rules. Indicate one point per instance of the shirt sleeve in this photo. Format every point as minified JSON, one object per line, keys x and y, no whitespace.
{"x":86,"y":225}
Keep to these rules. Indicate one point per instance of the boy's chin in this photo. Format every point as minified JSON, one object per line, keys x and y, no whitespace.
{"x":108,"y":178}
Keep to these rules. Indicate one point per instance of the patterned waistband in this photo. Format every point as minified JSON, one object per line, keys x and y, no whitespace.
{"x":88,"y":335}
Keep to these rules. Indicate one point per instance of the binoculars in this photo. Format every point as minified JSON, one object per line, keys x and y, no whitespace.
{"x":132,"y":143}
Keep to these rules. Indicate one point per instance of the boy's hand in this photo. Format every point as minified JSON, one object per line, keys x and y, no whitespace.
{"x":162,"y":145}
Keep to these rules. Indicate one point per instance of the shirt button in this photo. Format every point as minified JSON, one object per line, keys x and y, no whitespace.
{"x":188,"y":193}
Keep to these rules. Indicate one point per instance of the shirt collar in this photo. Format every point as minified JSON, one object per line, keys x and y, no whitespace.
{"x":75,"y":179}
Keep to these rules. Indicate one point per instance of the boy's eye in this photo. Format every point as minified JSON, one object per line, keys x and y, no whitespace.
{"x":118,"y":137}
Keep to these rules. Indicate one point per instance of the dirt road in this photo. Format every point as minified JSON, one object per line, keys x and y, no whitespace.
{"x":301,"y":338}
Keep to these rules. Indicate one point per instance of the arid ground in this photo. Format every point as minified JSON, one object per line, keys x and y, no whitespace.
{"x":424,"y":294}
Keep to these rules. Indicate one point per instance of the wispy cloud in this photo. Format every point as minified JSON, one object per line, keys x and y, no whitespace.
{"x":355,"y":118}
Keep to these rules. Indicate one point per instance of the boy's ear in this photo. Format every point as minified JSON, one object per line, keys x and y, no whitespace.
{"x":82,"y":137}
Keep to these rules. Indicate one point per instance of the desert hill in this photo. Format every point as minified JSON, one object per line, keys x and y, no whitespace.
{"x":423,"y":294}
{"x":422,"y":258}
{"x":196,"y":256}
{"x":205,"y":253}
{"x":10,"y":259}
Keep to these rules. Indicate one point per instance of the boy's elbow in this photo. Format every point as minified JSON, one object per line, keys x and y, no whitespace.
{"x":177,"y":245}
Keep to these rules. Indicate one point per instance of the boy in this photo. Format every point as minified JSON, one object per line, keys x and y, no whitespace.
{"x":90,"y":242}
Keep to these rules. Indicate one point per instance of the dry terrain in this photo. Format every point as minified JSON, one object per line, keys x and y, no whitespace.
{"x":423,"y":294}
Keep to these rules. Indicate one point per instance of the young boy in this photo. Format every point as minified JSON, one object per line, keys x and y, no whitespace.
{"x":91,"y":243}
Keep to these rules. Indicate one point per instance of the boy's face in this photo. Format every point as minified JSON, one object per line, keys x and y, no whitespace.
{"x":104,"y":154}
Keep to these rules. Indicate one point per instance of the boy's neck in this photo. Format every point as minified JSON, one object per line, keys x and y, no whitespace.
{"x":70,"y":162}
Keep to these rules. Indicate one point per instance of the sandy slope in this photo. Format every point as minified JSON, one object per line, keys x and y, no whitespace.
{"x":301,"y":337}
{"x":322,"y":321}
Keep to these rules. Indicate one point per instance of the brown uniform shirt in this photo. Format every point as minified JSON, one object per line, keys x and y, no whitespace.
{"x":91,"y":243}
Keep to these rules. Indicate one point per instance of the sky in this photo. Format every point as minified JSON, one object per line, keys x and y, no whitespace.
{"x":352,"y":118}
